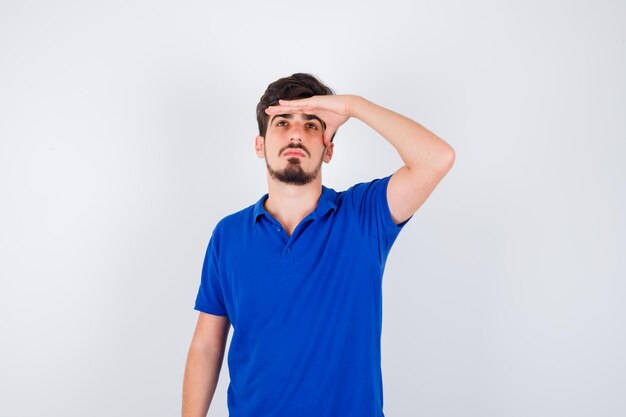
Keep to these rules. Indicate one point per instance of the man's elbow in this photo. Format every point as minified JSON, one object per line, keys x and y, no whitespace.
{"x":444,"y":160}
{"x":448,"y":159}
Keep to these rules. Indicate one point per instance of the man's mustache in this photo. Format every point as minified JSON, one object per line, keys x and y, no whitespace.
{"x":294,"y":146}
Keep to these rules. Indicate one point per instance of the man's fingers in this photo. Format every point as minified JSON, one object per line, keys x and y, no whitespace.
{"x":299,"y":102}
{"x":328,"y":135}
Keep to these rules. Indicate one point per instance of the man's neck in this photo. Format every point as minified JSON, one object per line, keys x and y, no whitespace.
{"x":289,"y":203}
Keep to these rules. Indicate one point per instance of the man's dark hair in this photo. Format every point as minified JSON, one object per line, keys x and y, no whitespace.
{"x":295,"y":87}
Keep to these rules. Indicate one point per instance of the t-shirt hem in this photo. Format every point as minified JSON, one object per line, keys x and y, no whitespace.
{"x":210,"y":310}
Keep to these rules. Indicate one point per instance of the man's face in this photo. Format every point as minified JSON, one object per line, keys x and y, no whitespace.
{"x":293,"y":148}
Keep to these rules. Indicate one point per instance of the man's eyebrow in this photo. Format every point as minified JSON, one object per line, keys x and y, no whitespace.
{"x":306,"y":116}
{"x":314,"y":117}
{"x":286,"y":116}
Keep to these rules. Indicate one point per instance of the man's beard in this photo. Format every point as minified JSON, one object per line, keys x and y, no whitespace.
{"x":293,"y":172}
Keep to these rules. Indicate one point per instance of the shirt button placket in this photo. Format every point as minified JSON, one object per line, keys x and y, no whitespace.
{"x":287,"y":258}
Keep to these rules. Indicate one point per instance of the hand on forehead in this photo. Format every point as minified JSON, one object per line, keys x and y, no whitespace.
{"x":332,"y":111}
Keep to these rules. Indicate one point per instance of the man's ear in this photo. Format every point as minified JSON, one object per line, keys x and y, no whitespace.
{"x":259,"y":146}
{"x":328,"y":153}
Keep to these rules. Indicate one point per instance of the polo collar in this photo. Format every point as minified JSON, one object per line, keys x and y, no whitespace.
{"x":324,"y":205}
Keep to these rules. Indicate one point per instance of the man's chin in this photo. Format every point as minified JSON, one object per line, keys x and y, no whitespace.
{"x":293,"y":176}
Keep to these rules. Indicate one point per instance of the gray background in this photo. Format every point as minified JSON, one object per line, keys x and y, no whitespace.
{"x":127,"y":131}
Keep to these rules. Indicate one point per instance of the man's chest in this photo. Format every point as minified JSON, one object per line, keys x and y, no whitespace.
{"x":273,"y":275}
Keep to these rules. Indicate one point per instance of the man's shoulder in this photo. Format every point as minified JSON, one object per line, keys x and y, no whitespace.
{"x":237,"y":219}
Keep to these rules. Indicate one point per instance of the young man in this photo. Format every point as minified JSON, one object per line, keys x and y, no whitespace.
{"x":299,"y":273}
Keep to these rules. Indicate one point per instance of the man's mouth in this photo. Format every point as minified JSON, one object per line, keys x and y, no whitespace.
{"x":293,"y":153}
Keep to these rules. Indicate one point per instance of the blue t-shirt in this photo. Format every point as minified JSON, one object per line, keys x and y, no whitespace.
{"x":306,"y":309}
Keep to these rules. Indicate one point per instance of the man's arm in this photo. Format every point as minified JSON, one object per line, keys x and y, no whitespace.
{"x":427,"y":158}
{"x":204,"y":363}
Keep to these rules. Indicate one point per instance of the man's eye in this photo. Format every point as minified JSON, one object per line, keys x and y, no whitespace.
{"x":312,"y":125}
{"x":281,"y":123}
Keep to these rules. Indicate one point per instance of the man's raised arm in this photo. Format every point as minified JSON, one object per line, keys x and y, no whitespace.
{"x":427,"y":158}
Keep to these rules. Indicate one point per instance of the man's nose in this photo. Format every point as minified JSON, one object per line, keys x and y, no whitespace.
{"x":296,"y":132}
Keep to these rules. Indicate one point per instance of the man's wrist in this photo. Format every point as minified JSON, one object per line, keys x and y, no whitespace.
{"x":355,"y":106}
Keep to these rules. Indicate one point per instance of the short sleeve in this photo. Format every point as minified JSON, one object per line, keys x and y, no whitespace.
{"x":210,"y":298}
{"x":371,"y":209}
